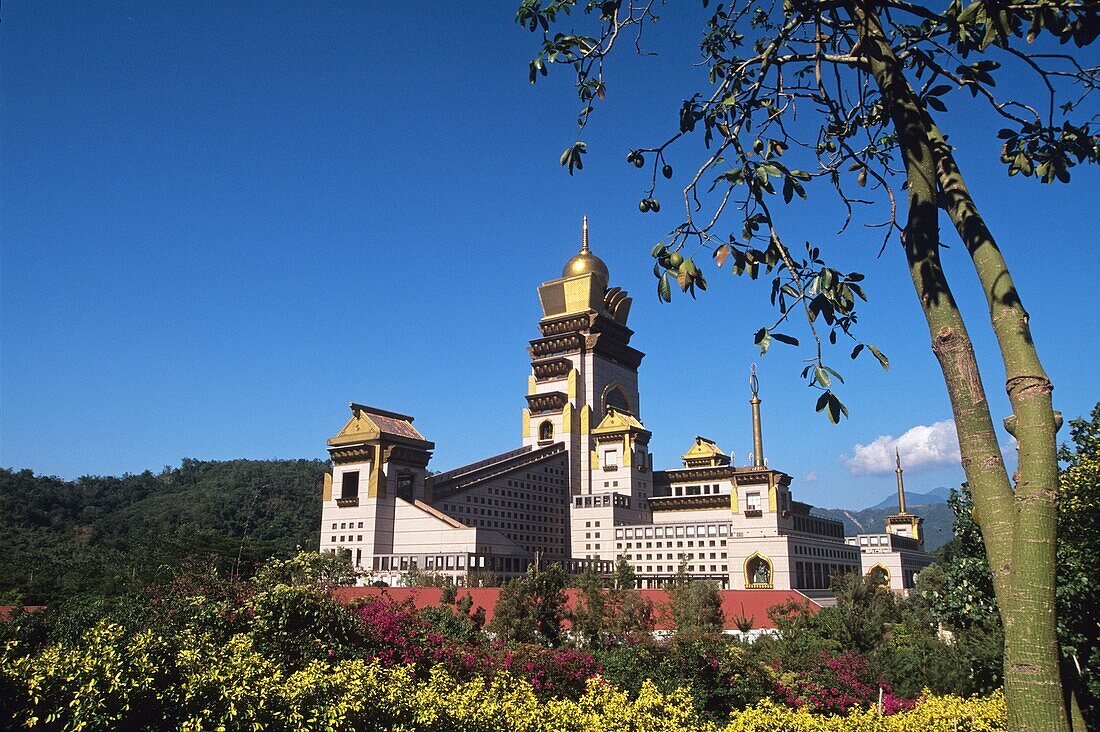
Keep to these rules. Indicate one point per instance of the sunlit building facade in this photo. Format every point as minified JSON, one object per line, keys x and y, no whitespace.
{"x":582,"y":488}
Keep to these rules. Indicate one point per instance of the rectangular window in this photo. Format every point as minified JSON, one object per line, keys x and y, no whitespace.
{"x":349,"y":484}
{"x":611,"y":458}
{"x":752,"y":501}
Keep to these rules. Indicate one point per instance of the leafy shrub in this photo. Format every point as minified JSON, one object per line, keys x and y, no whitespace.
{"x":837,"y":684}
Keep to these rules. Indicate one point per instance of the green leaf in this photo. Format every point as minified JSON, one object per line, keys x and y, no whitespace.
{"x":664,"y":288}
{"x":763,"y":340}
{"x":821,"y":377}
{"x":880,"y":356}
{"x":789,"y":340}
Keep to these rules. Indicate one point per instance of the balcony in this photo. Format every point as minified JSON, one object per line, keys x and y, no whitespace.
{"x":753,"y":513}
{"x":347,"y":502}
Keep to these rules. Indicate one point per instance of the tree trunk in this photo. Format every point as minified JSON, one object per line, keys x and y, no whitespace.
{"x":1015,"y":531}
{"x":1031,"y":649}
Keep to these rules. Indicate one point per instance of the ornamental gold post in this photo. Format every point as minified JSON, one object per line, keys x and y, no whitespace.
{"x":901,"y":483}
{"x":757,"y":433}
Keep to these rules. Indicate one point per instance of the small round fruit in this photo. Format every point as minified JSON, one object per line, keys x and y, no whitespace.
{"x":675,"y":260}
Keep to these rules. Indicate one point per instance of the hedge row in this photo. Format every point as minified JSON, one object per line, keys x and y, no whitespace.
{"x":112,"y":681}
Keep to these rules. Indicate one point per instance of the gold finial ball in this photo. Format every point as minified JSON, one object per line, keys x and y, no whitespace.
{"x":586,"y":263}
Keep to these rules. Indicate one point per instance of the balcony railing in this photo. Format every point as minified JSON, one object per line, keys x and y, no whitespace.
{"x":753,"y":513}
{"x":347,"y":502}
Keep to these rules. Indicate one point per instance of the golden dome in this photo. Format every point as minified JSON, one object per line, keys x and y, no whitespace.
{"x":585,"y":262}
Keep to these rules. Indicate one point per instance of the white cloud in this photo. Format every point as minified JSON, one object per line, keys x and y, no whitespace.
{"x":810,"y":477}
{"x":922,"y":446}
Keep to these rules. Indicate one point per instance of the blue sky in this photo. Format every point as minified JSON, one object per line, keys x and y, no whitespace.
{"x":221,"y":223}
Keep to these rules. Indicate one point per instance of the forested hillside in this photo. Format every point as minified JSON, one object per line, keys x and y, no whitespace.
{"x":937,"y":521}
{"x":106,"y":534}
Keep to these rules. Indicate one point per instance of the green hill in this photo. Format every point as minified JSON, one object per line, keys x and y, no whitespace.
{"x":106,"y":534}
{"x":937,"y":521}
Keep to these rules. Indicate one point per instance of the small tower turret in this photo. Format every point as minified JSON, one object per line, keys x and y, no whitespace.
{"x":904,"y":523}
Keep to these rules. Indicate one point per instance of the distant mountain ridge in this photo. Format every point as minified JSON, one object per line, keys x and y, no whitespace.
{"x":932,"y":506}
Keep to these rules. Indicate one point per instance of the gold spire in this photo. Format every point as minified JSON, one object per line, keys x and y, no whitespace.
{"x":901,"y":482}
{"x":757,"y":431}
{"x":585,"y":262}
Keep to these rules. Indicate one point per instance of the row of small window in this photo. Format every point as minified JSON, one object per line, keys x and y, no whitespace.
{"x":691,"y":568}
{"x":679,"y":556}
{"x":880,"y":540}
{"x":535,"y":513}
{"x":818,"y":575}
{"x":550,"y":487}
{"x":649,"y":532}
{"x":700,"y":490}
{"x":665,"y":544}
{"x":452,"y":562}
{"x":349,"y":537}
{"x":346,"y":525}
{"x":817,"y":526}
{"x":604,"y":499}
{"x":488,"y":524}
{"x":816,"y":551}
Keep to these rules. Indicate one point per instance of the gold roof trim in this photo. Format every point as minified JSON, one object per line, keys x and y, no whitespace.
{"x":703,"y":449}
{"x":616,"y":421}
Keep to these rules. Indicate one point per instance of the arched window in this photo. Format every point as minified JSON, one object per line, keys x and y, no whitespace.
{"x":613,"y":397}
{"x":880,"y":575}
{"x":758,"y":573}
{"x":546,"y":431}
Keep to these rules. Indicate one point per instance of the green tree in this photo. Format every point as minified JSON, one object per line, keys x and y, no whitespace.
{"x":531,"y":608}
{"x":625,"y":578}
{"x":695,"y":605}
{"x":850,"y":95}
{"x":590,"y":610}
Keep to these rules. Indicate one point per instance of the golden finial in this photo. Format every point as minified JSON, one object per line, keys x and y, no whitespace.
{"x":585,"y":262}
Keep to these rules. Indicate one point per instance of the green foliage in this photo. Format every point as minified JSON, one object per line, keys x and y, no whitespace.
{"x":788,"y":112}
{"x":106,"y":536}
{"x":720,"y":674}
{"x":530,"y":609}
{"x":696,"y":606}
{"x":625,"y":579}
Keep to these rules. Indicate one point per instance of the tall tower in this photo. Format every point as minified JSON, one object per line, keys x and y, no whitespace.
{"x":904,"y":523}
{"x":582,"y":365}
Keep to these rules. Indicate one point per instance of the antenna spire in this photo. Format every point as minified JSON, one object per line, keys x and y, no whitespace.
{"x":757,"y":431}
{"x":584,"y":234}
{"x":901,"y":482}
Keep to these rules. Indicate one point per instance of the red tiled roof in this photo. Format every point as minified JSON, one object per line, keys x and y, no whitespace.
{"x":6,"y":611}
{"x":752,"y":604}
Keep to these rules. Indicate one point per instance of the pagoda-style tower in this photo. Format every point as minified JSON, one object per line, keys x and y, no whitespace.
{"x":904,"y":523}
{"x":582,"y":365}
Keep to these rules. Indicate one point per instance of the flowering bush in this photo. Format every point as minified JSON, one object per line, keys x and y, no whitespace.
{"x":837,"y":684}
{"x":395,"y":633}
{"x":113,"y":680}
